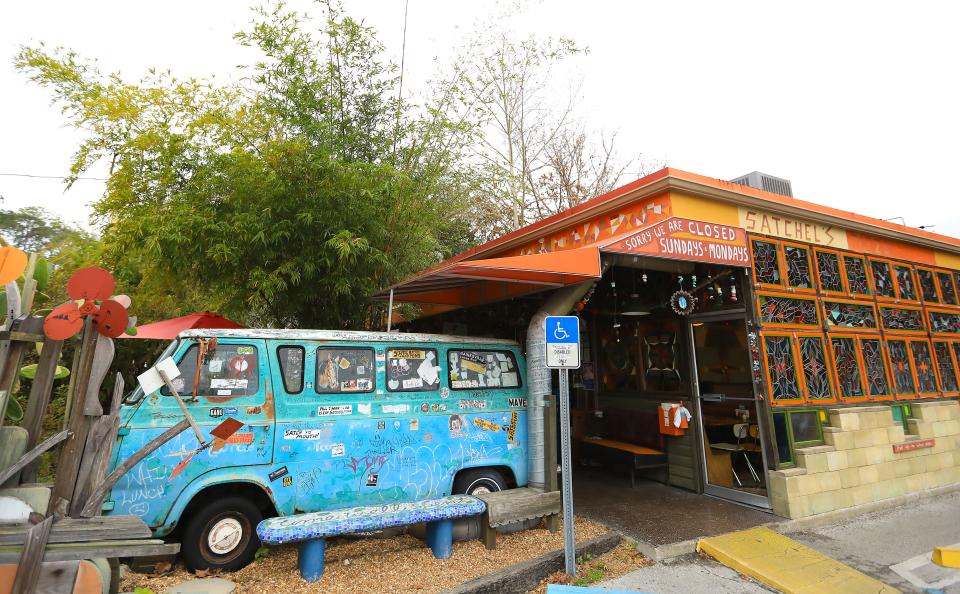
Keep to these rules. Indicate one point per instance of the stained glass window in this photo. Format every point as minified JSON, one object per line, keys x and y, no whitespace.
{"x":928,"y":285}
{"x":899,"y":318}
{"x":850,"y":315}
{"x":766,"y":266}
{"x":875,"y":366}
{"x":828,"y":270}
{"x":946,"y":288}
{"x":882,"y":279}
{"x":944,"y":322}
{"x":782,"y":368}
{"x":788,"y":310}
{"x":908,"y":289}
{"x":900,"y":358}
{"x":798,"y":267}
{"x":848,"y":367}
{"x":856,"y":275}
{"x":815,"y":371}
{"x":948,"y":375}
{"x":926,"y":377}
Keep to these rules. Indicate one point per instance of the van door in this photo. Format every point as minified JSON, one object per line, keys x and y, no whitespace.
{"x":233,"y":382}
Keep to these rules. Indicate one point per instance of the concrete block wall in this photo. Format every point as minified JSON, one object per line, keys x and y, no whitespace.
{"x":857,"y":463}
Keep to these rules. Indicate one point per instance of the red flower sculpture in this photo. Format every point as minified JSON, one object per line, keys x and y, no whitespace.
{"x":87,"y":287}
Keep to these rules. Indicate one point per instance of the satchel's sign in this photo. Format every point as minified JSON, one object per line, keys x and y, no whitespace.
{"x":784,"y":227}
{"x":686,"y":239}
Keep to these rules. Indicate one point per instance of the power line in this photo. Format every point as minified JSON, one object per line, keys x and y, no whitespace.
{"x":60,"y":177}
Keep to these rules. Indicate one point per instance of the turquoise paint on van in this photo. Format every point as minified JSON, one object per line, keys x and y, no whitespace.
{"x":312,"y":451}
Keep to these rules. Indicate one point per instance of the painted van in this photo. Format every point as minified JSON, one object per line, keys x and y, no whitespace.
{"x":309,"y":420}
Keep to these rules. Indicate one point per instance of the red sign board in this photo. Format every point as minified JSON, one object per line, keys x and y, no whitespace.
{"x":686,"y":239}
{"x":913,"y":445}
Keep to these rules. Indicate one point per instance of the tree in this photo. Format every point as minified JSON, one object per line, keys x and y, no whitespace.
{"x":34,"y":229}
{"x":283,"y":200}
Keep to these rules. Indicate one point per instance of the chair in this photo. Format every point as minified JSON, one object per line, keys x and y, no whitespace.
{"x":741,"y":431}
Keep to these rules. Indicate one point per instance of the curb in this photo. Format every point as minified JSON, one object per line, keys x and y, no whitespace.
{"x":525,"y":576}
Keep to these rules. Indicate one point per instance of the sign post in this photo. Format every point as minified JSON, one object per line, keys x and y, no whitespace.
{"x":563,"y":353}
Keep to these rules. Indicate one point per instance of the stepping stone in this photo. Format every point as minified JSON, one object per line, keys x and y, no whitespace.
{"x":202,"y":586}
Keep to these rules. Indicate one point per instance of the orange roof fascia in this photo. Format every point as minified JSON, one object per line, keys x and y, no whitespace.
{"x":581,"y":262}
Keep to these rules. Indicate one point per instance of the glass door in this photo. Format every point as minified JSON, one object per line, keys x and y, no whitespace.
{"x":731,"y":428}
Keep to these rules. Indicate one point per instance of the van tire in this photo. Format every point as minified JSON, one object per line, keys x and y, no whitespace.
{"x":225,"y":515}
{"x":479,"y":480}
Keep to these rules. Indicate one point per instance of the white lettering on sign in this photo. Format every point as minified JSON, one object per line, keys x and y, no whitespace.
{"x":785,"y":227}
{"x":687,"y":239}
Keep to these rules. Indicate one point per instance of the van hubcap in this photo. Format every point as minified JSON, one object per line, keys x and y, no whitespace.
{"x":224,"y":536}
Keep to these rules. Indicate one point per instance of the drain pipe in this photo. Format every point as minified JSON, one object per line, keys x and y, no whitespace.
{"x":538,"y":376}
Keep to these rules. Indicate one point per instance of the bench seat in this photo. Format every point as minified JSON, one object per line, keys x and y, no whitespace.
{"x":640,"y":457}
{"x":514,"y":505}
{"x":312,"y":529}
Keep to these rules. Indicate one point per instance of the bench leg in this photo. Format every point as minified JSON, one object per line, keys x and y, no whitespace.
{"x":488,"y":534}
{"x":440,"y":538}
{"x":310,"y":559}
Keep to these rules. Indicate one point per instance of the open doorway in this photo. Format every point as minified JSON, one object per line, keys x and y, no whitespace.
{"x":731,"y":426}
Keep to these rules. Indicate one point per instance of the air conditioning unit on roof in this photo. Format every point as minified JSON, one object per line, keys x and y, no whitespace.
{"x":768,"y":183}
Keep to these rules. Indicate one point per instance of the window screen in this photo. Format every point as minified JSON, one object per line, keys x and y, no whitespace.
{"x":230,"y":370}
{"x":341,"y":370}
{"x":290,"y":359}
{"x":412,"y":370}
{"x":482,"y":369}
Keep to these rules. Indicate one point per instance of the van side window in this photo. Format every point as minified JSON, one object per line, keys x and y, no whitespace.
{"x":230,"y":370}
{"x":482,"y":369}
{"x":412,"y":370}
{"x":345,"y":370}
{"x":290,"y":359}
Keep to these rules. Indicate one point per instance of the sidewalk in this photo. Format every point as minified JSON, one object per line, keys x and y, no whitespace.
{"x":893,"y":546}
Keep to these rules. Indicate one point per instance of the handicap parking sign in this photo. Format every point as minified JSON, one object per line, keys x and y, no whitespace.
{"x":563,"y":342}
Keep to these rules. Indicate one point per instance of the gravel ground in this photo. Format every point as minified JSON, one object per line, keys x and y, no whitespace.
{"x":398,"y":565}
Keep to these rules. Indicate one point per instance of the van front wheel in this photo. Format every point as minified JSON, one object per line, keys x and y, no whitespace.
{"x":222,"y":535}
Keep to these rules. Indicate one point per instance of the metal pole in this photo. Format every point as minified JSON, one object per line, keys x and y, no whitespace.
{"x":569,"y":548}
{"x":390,"y":311}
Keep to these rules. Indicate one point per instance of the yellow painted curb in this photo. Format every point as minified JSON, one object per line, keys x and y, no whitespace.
{"x":947,"y":556}
{"x":787,"y":565}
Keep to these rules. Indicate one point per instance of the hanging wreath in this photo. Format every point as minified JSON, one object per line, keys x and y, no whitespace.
{"x":683,"y":303}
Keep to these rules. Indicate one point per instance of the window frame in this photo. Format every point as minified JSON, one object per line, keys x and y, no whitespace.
{"x":929,"y":321}
{"x":782,"y":251}
{"x":787,"y":326}
{"x":303,"y":370}
{"x":893,"y":279}
{"x":782,"y":285}
{"x":913,"y":275}
{"x":913,"y":372}
{"x":861,"y":366}
{"x":936,"y":284}
{"x":797,"y":369}
{"x":189,"y":397}
{"x":805,"y":391}
{"x":508,"y":352}
{"x":844,"y":285}
{"x":956,"y":368}
{"x":868,"y":274}
{"x":316,"y":369}
{"x":792,"y":444}
{"x":401,"y":390}
{"x":887,"y":367}
{"x":916,"y":375}
{"x":917,"y":308}
{"x":831,"y":328}
{"x":951,"y":278}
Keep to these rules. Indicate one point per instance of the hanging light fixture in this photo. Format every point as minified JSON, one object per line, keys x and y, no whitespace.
{"x":635,"y":305}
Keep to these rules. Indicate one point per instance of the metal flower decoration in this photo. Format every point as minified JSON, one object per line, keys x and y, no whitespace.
{"x":91,"y":290}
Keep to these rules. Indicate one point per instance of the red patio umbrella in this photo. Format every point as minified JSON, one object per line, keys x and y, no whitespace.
{"x":169,"y":329}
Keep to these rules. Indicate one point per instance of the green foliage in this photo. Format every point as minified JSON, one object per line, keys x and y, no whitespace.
{"x":260,"y":553}
{"x":285,"y":199}
{"x":143,"y":591}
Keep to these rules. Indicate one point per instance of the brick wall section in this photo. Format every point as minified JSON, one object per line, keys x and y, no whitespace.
{"x":857,"y":464}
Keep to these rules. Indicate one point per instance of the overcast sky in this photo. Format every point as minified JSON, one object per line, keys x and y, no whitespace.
{"x":857,"y":103}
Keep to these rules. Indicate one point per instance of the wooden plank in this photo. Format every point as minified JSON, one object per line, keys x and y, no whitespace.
{"x":58,"y":577}
{"x":8,"y":374}
{"x":32,"y":455}
{"x":102,"y":358}
{"x":107,"y":548}
{"x":96,"y":459}
{"x":118,"y":387}
{"x":93,"y":504}
{"x":513,"y":505}
{"x":40,"y":393}
{"x":31,"y":555}
{"x":79,"y":425}
{"x":15,"y":336}
{"x":83,"y":530}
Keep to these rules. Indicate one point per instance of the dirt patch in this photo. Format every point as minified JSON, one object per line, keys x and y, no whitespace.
{"x":623,"y":559}
{"x":398,"y":565}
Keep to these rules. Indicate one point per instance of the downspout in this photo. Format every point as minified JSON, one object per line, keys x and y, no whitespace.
{"x":538,"y":376}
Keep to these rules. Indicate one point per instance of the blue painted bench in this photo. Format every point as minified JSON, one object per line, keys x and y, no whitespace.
{"x":311,"y":530}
